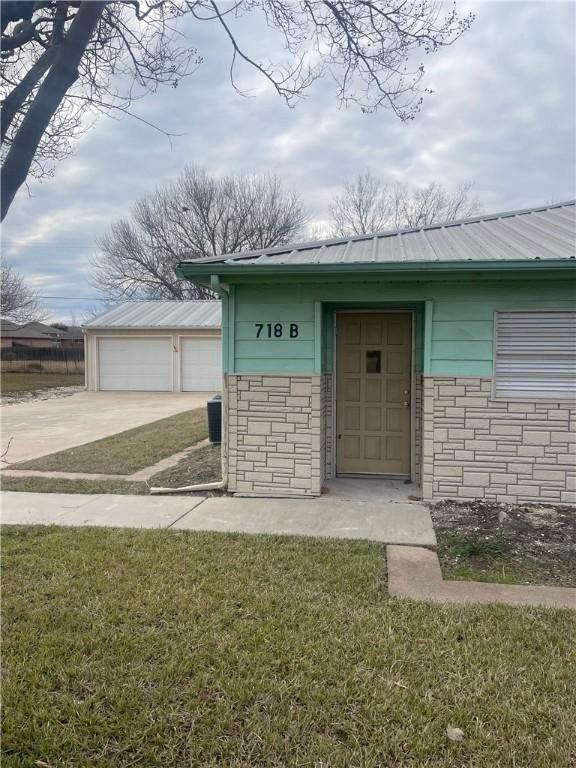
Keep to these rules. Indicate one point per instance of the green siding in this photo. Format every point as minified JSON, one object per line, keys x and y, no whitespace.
{"x":454,"y":320}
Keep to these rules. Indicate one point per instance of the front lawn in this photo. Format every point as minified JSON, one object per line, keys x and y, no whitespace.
{"x":202,"y":465}
{"x":129,"y":451}
{"x":12,"y":382}
{"x":509,"y":543}
{"x":166,"y":648}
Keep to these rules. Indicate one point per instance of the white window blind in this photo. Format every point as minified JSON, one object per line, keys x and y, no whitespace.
{"x":535,"y":354}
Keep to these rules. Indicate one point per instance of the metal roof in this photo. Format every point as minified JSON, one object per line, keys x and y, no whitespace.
{"x":160,"y":314}
{"x":546,"y":232}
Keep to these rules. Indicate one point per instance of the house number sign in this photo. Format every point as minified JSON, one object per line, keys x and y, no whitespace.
{"x":276,"y":330}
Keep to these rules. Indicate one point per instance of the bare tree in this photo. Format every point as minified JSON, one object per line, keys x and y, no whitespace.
{"x":367,"y":205}
{"x":18,"y":301}
{"x":197,"y":215}
{"x":63,"y":62}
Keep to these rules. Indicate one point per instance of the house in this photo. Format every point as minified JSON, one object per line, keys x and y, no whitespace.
{"x":72,"y":338}
{"x":47,"y":330}
{"x":25,"y":336}
{"x":155,"y":346}
{"x":445,"y":355}
{"x":6,"y":326}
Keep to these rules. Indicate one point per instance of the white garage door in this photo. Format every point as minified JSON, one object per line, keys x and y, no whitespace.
{"x":201,"y":364}
{"x":137,"y":365}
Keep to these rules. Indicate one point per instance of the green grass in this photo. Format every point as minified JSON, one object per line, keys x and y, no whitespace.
{"x":129,"y":451}
{"x":11,"y":382}
{"x":152,"y":648}
{"x":61,"y":485}
{"x":200,"y":466}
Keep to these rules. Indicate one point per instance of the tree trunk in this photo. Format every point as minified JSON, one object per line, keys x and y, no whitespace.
{"x":18,"y":95}
{"x":62,"y":75}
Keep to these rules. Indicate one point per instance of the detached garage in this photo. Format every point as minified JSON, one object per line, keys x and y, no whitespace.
{"x":155,"y":346}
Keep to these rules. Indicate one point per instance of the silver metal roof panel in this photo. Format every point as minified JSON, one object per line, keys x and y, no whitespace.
{"x":160,"y":314}
{"x":544,"y":232}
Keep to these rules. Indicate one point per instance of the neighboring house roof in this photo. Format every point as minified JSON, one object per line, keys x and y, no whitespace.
{"x":42,"y":328}
{"x":27,"y":333}
{"x":73,"y":332}
{"x":7,"y":325}
{"x":543,"y":233}
{"x":160,"y":314}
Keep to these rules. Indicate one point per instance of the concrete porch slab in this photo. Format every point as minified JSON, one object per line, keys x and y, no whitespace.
{"x":376,"y":489}
{"x":391,"y":523}
{"x":76,"y":509}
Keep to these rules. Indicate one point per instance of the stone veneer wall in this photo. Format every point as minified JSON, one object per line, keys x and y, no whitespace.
{"x":274,"y":434}
{"x":507,"y":450}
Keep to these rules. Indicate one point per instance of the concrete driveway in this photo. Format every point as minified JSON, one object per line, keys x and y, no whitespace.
{"x":40,"y":427}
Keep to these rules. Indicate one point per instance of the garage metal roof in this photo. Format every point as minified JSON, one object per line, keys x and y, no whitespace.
{"x":160,"y":314}
{"x":546,"y":232}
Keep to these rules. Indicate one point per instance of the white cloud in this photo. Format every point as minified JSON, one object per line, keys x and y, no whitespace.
{"x":502,"y":115}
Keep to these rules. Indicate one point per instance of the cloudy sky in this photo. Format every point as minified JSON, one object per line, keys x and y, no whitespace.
{"x":502,"y":116}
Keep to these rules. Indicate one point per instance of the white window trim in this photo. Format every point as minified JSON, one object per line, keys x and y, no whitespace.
{"x":533,"y":396}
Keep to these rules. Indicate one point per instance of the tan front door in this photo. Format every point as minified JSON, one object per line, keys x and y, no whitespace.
{"x":373,"y":392}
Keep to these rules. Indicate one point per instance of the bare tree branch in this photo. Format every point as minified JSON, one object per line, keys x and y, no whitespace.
{"x":18,"y":301}
{"x":198,"y":215}
{"x":372,"y":50}
{"x":367,"y":205}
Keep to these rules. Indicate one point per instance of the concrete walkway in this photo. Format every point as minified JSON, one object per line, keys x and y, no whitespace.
{"x":390,"y":523}
{"x":40,"y":427}
{"x":414,"y":572}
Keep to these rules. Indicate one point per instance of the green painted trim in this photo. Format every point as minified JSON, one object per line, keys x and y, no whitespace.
{"x":224,"y":351}
{"x":232,"y":330}
{"x":428,"y":325}
{"x":317,"y":337}
{"x":190,"y":269}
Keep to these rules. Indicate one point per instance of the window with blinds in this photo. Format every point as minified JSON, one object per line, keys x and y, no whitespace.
{"x":535,"y":354}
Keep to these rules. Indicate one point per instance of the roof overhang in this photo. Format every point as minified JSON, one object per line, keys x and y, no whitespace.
{"x":201,"y":272}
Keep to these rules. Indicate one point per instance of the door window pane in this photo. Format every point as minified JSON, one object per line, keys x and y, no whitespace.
{"x":373,"y":358}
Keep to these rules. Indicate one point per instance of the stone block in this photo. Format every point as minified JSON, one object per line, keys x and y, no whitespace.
{"x":280,"y":461}
{"x":301,"y":388}
{"x":265,"y":477}
{"x":259,"y":427}
{"x":276,"y":381}
{"x":521,"y":407}
{"x":476,"y":479}
{"x":470,"y":491}
{"x":298,"y":402}
{"x":300,"y":482}
{"x":472,"y":402}
{"x":536,"y":438}
{"x":530,"y":450}
{"x":282,"y":427}
{"x":549,"y":475}
{"x":563,"y":437}
{"x":253,"y":440}
{"x":506,"y":430}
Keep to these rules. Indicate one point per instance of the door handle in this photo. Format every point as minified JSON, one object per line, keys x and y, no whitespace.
{"x":406,"y":404}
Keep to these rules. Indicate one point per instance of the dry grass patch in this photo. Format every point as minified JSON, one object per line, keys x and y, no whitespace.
{"x":12,"y":382}
{"x":156,"y":648}
{"x":129,"y":451}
